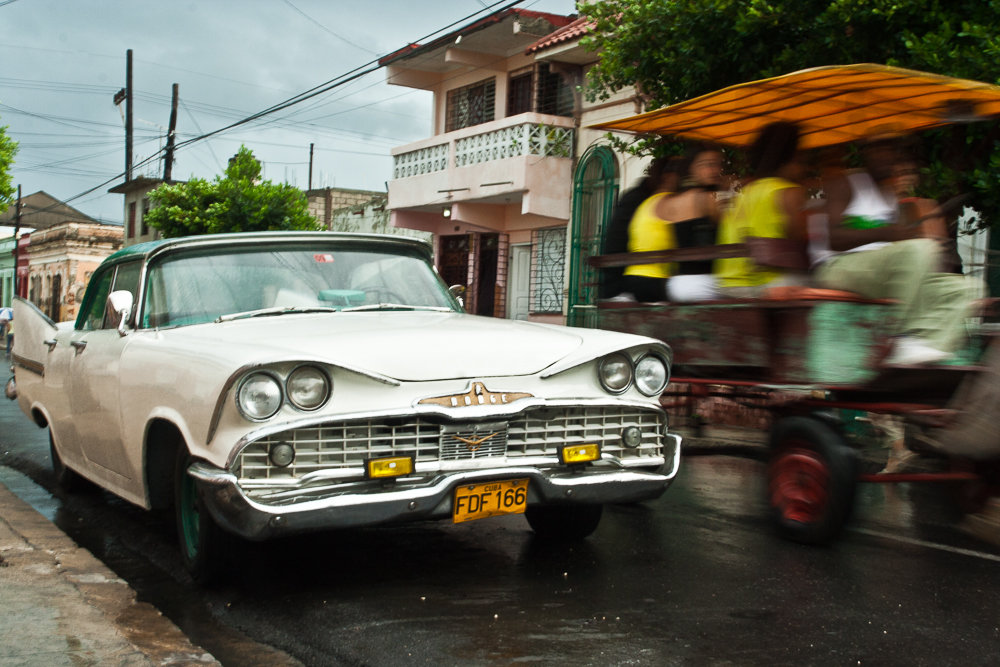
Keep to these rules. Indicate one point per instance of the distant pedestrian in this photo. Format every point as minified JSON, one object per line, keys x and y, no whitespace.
{"x":7,"y":328}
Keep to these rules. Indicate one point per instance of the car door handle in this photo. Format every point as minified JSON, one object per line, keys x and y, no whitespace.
{"x":51,"y":343}
{"x":79,"y":345}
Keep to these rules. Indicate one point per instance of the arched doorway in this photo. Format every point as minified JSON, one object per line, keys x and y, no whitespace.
{"x":595,"y":190}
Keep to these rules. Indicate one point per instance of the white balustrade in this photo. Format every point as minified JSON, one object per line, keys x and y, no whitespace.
{"x":518,"y":140}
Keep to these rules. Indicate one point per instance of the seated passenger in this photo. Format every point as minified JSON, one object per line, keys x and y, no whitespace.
{"x":772,"y":205}
{"x":661,"y":176}
{"x":686,"y":219}
{"x":877,"y":255}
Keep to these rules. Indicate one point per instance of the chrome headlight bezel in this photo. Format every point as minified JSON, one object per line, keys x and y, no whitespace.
{"x":641,"y":383}
{"x":290,"y":389}
{"x":274,"y":403}
{"x":615,"y":373}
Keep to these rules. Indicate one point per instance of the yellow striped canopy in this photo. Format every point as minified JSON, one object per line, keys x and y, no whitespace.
{"x":832,"y":105}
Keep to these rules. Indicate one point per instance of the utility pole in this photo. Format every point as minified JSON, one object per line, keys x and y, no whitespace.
{"x":311,"y":166}
{"x":128,"y":115}
{"x":17,"y":233}
{"x":125,"y":95}
{"x":168,"y":158}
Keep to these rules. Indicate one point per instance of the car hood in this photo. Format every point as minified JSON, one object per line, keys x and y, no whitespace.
{"x":403,"y":345}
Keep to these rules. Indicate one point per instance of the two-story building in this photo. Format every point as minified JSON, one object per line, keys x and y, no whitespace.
{"x":512,"y":183}
{"x":492,"y":183}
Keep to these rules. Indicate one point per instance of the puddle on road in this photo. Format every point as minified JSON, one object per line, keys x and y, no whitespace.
{"x":27,"y":490}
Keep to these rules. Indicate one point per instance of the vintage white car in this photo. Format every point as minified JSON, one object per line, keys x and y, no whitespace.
{"x":272,"y":383}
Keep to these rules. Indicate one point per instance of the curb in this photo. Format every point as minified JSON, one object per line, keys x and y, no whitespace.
{"x":61,"y":600}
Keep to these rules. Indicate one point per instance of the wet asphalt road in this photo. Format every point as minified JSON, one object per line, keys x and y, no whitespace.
{"x":693,"y":578}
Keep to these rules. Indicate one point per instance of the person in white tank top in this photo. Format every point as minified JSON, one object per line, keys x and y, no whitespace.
{"x":869,"y":251}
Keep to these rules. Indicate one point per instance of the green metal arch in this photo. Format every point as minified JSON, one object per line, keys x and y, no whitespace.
{"x":595,"y":191}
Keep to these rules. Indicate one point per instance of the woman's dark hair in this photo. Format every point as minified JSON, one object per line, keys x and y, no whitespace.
{"x":774,"y":147}
{"x":692,"y":152}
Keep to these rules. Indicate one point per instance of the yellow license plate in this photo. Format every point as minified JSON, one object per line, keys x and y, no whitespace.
{"x":478,"y":501}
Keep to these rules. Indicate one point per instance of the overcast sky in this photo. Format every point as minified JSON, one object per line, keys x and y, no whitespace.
{"x":61,"y":62}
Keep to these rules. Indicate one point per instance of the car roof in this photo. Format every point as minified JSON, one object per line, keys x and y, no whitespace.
{"x":147,"y":249}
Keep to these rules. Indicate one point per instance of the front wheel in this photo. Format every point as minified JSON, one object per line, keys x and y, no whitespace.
{"x":811,"y":479}
{"x":565,"y":523}
{"x":201,"y":540}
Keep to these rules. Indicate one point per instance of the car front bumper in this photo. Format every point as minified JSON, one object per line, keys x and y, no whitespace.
{"x":389,"y":502}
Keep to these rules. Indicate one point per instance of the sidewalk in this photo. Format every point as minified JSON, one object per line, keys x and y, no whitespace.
{"x":59,"y":605}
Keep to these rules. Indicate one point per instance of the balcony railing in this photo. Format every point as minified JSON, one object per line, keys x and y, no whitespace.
{"x":514,"y":141}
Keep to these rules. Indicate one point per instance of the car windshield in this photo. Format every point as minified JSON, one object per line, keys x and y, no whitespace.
{"x":205,"y":285}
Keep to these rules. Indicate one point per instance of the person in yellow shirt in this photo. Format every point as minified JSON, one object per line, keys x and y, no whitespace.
{"x":772,"y":205}
{"x":682,"y":219}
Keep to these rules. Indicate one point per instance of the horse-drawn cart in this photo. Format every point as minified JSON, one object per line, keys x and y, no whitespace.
{"x":807,"y":355}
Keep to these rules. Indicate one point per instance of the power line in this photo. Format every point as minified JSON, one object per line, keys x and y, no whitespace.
{"x":336,"y":82}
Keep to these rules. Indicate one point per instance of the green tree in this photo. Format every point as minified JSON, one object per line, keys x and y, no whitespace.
{"x":236,"y":202}
{"x":672,"y":50}
{"x":8,"y":149}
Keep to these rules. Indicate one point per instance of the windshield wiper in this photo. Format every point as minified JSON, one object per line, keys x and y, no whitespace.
{"x":393,"y":306}
{"x":277,"y":310}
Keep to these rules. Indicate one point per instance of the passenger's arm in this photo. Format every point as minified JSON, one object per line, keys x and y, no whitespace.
{"x":793,"y":200}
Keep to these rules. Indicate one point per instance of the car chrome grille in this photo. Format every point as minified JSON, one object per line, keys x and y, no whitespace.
{"x":340,"y":448}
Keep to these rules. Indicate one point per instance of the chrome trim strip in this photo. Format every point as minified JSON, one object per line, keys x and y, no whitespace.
{"x":28,"y":364}
{"x":376,"y":502}
{"x":612,"y":347}
{"x":247,"y":368}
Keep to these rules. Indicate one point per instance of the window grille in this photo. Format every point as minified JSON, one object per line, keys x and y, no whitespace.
{"x":471,"y":105}
{"x":548,"y":265}
{"x":554,"y":96}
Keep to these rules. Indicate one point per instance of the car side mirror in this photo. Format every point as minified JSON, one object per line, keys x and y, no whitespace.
{"x":119,"y":309}
{"x":458,"y":291}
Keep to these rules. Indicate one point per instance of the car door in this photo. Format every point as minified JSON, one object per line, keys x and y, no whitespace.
{"x":95,"y":397}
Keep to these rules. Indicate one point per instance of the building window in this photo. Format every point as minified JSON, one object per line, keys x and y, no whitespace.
{"x":471,"y":105}
{"x":553,"y":95}
{"x":145,"y":211}
{"x":539,"y":89}
{"x":130,"y":231}
{"x":548,"y":263}
{"x":519,"y":92}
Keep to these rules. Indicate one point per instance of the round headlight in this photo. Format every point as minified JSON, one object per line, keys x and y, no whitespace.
{"x":651,"y":375}
{"x":259,"y":396}
{"x":308,"y":388}
{"x":615,"y":372}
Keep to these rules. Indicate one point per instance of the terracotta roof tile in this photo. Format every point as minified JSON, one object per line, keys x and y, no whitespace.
{"x":574,"y":30}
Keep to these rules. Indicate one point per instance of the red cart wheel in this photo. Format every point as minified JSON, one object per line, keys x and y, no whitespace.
{"x":811,"y":475}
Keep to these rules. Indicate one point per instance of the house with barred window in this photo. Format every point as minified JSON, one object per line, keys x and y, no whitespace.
{"x":511,"y":183}
{"x":493,"y":181}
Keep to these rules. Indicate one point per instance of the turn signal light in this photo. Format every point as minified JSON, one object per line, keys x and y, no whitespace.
{"x":579,"y":453}
{"x":392,"y":466}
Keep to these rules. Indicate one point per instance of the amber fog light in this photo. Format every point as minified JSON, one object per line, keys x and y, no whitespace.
{"x":282,"y":454}
{"x":632,"y":436}
{"x":392,"y":466}
{"x":579,"y":453}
